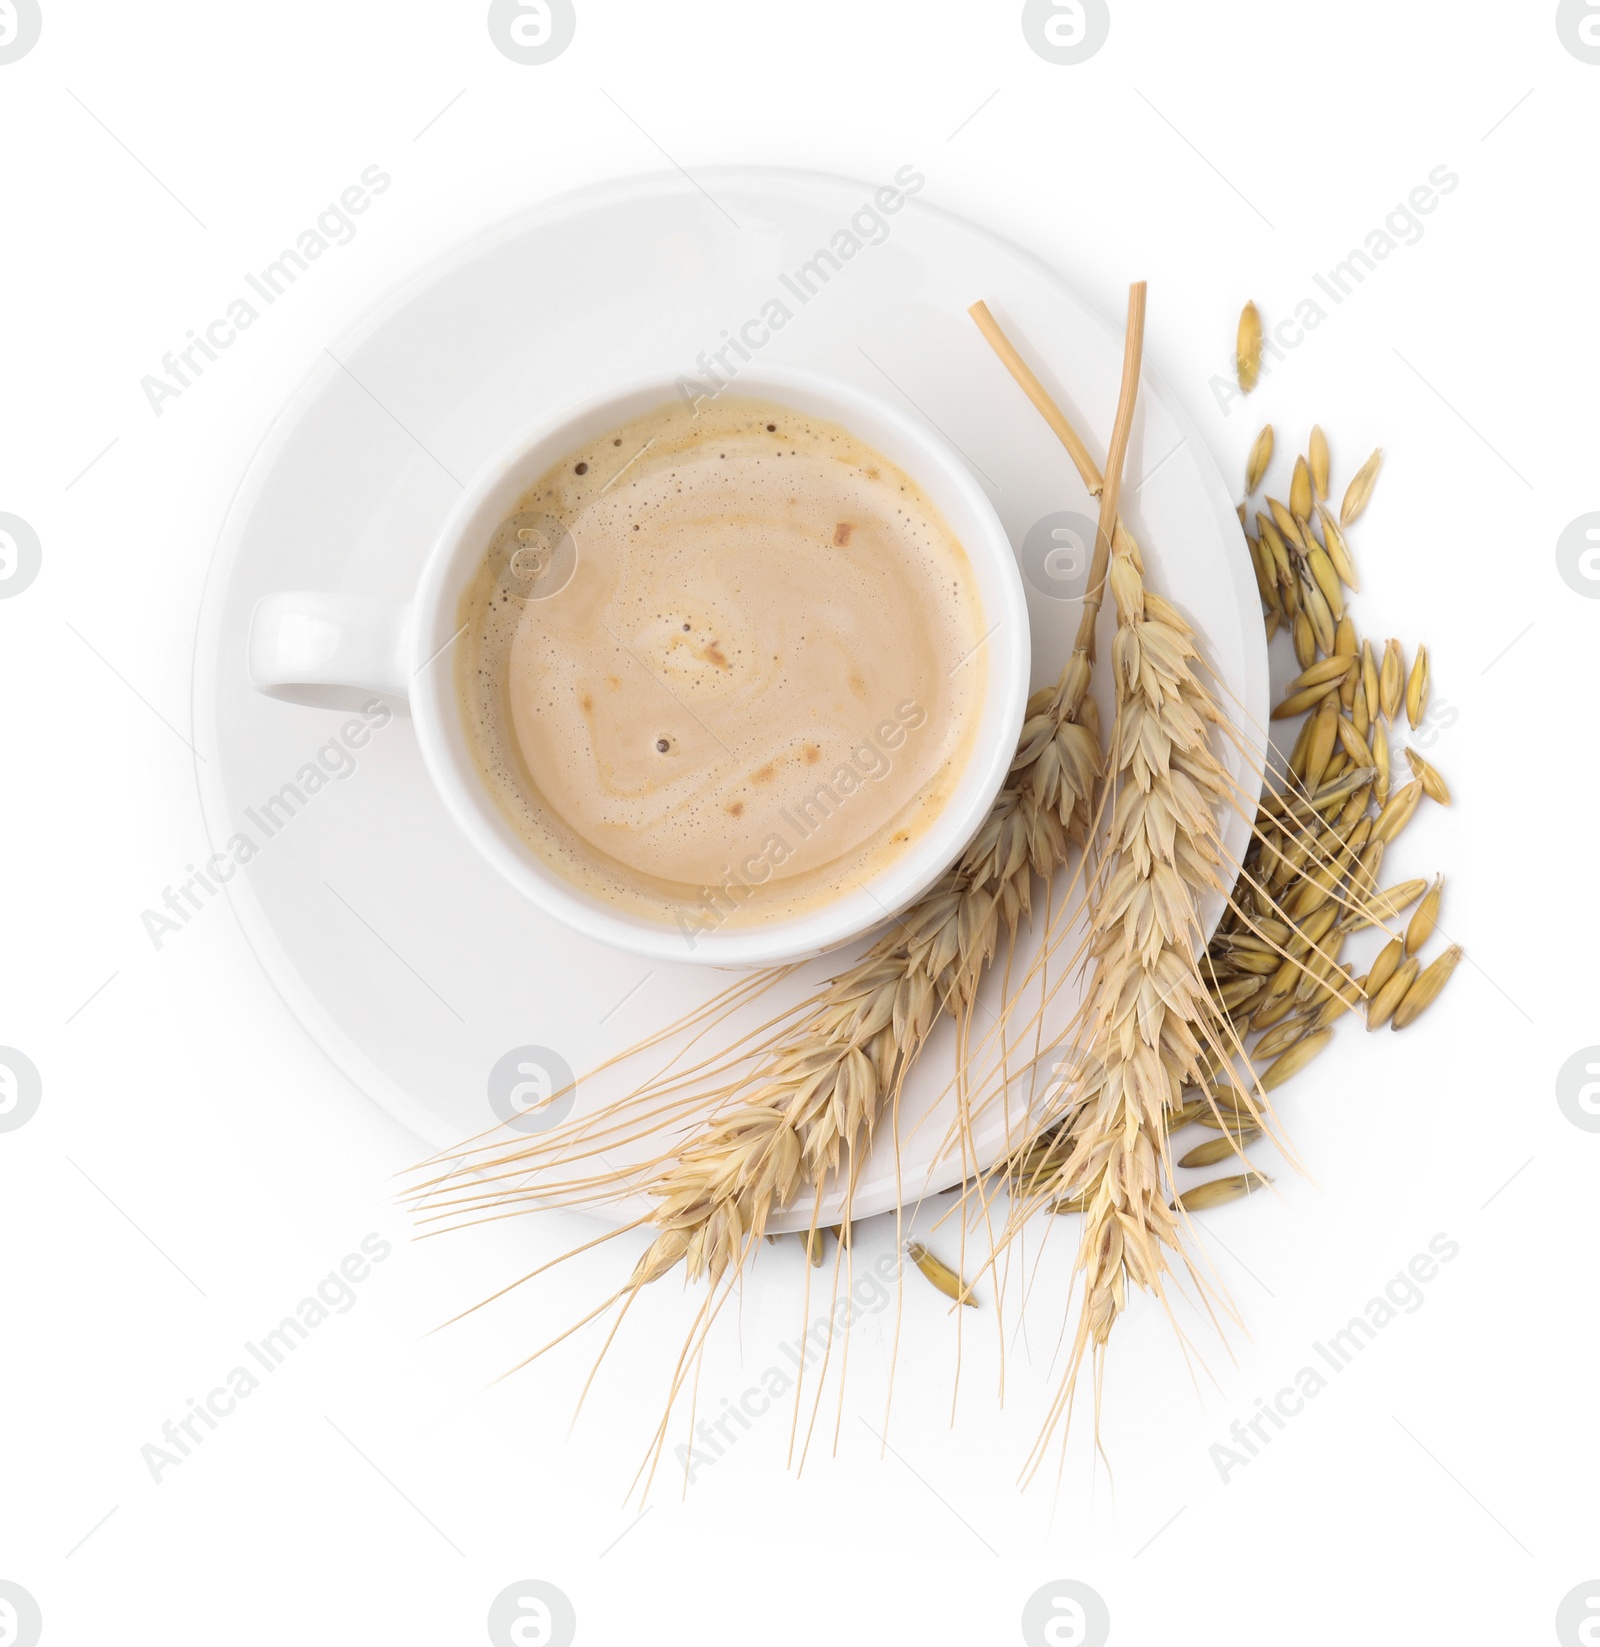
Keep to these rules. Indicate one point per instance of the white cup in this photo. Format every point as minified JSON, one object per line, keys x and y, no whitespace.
{"x":326,"y":650}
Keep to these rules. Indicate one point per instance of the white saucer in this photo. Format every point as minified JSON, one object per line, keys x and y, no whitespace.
{"x":404,"y":955}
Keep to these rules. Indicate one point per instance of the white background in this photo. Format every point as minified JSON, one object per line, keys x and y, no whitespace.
{"x":197,"y":1166}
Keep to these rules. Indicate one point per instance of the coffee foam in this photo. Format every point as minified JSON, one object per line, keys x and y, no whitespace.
{"x":749,"y":682}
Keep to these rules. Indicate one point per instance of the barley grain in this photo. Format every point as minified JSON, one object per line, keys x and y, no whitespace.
{"x":1378,"y":742}
{"x":1360,"y":718}
{"x":1260,"y":458}
{"x":1317,"y":608}
{"x":1381,"y":1007}
{"x":1327,"y":581}
{"x":1305,"y":639}
{"x":1417,"y":688}
{"x":1319,"y":460}
{"x":1391,"y":679}
{"x":1266,"y":579}
{"x":1276,"y":547}
{"x":1219,"y":1191}
{"x":941,"y":1275}
{"x":1341,"y":997}
{"x":1385,"y":905}
{"x":1425,"y":991}
{"x":1248,"y":347}
{"x":1397,"y":814}
{"x":1338,"y":549}
{"x":1385,"y":967}
{"x":1290,"y":1064}
{"x":1359,"y":492}
{"x":1298,"y":702}
{"x":1220,"y":1149}
{"x":1355,"y":745}
{"x":1369,"y":678}
{"x":1279,"y":1038}
{"x":1283,"y":519}
{"x":1333,"y":669}
{"x":1425,"y":917}
{"x":1428,"y":775}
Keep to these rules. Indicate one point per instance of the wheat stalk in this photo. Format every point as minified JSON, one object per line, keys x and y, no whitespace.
{"x":1147,"y":1024}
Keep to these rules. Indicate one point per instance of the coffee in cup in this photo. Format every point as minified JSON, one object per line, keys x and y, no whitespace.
{"x":717,"y":663}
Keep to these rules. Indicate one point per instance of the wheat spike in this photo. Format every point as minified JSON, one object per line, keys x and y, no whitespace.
{"x":1147,"y":1017}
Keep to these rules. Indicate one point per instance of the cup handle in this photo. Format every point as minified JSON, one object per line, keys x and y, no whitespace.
{"x":330,"y":651}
